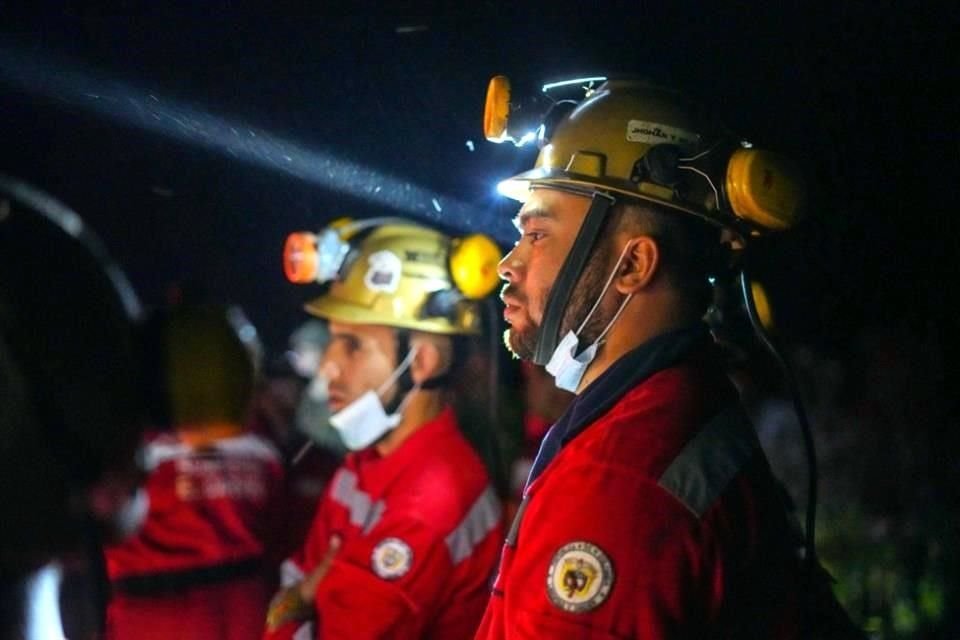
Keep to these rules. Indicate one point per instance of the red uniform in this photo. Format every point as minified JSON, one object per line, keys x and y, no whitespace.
{"x":651,"y":513}
{"x":195,"y":569}
{"x":420,"y":532}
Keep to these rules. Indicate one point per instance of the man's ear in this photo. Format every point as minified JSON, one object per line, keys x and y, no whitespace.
{"x":639,"y":266}
{"x":428,"y":361}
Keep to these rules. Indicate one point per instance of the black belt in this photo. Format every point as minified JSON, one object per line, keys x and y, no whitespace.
{"x":152,"y":584}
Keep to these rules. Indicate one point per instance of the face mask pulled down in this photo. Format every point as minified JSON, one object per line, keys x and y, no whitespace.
{"x":364,"y":421}
{"x":566,"y":365}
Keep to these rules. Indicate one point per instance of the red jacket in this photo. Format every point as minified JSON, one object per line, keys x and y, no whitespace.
{"x":195,"y":568}
{"x":651,"y":513}
{"x":420,"y":533}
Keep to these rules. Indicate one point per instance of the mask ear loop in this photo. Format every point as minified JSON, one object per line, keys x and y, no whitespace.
{"x":613,"y":273}
{"x":399,"y":371}
{"x":613,"y":321}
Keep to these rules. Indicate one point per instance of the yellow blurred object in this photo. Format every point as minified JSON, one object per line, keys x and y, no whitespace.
{"x":762,"y":304}
{"x":765,"y":188}
{"x":345,"y":225}
{"x":473,"y":265}
{"x":496,"y":111}
{"x":209,"y":368}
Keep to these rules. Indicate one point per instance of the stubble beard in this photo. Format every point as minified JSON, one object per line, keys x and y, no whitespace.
{"x":523,"y":343}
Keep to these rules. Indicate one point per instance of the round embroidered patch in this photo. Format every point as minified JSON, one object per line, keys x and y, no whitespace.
{"x":580,"y":577}
{"x":391,"y":558}
{"x":383,"y":273}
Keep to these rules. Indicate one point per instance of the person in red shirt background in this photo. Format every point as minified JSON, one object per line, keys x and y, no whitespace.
{"x":290,"y":410}
{"x":406,"y":537}
{"x":650,"y":510}
{"x":543,"y":404}
{"x":198,"y":567}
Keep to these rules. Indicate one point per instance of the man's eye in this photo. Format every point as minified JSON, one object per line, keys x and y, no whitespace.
{"x":350,"y":344}
{"x":534,"y":236}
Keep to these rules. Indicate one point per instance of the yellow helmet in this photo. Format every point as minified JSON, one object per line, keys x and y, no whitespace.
{"x":630,"y":137}
{"x":201,"y":363}
{"x":395,"y":273}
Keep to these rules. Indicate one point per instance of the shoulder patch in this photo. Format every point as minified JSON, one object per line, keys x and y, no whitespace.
{"x":580,"y":577}
{"x":391,"y":558}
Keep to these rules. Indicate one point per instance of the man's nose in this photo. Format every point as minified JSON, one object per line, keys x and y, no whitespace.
{"x":511,"y":267}
{"x":329,"y":369}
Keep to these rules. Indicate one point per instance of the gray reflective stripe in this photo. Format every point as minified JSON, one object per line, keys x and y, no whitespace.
{"x":704,"y":468}
{"x":364,"y":512}
{"x":479,"y":521}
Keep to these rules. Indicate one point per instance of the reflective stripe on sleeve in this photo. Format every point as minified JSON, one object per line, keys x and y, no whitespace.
{"x":481,"y":519}
{"x":707,"y":464}
{"x":364,"y":512}
{"x":290,"y":573}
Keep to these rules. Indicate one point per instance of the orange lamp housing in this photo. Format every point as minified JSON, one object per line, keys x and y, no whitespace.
{"x":300,"y":257}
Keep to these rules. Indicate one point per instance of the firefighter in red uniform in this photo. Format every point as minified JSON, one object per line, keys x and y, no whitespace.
{"x":197,"y":568}
{"x":407,"y":535}
{"x":650,"y":511}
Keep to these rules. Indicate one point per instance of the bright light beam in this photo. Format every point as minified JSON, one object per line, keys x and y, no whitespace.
{"x":128,"y":105}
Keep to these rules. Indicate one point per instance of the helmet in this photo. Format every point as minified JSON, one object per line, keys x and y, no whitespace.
{"x":395,"y":273}
{"x":206,"y":364}
{"x":630,"y":137}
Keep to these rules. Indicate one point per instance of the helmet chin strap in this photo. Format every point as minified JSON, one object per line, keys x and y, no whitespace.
{"x":570,"y":272}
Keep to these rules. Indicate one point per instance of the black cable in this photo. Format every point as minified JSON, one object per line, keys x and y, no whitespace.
{"x":790,"y":381}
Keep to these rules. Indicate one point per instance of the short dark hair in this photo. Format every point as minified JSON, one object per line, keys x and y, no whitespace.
{"x":689,"y":247}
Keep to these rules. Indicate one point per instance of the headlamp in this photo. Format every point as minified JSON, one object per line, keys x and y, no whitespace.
{"x":528,"y":118}
{"x":309,"y":257}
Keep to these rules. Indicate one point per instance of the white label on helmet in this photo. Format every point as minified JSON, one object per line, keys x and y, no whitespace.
{"x":384,"y":272}
{"x":656,"y":133}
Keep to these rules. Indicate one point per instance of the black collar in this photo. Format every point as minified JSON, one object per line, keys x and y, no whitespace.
{"x":632,"y":369}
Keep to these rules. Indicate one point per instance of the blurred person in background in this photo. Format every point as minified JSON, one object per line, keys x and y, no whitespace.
{"x":199,"y":566}
{"x":543,"y":404}
{"x":290,"y":409}
{"x":70,"y":418}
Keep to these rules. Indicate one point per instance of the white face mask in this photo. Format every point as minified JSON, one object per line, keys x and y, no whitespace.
{"x":566,"y":366}
{"x":364,"y":421}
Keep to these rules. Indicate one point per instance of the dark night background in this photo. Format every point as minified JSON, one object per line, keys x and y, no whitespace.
{"x":863,"y":94}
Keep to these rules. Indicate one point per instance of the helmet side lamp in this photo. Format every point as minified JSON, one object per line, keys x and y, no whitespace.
{"x":309,"y":257}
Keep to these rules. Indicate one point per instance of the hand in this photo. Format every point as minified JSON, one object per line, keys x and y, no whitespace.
{"x":308,"y":587}
{"x":295,"y":603}
{"x":287,"y":606}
